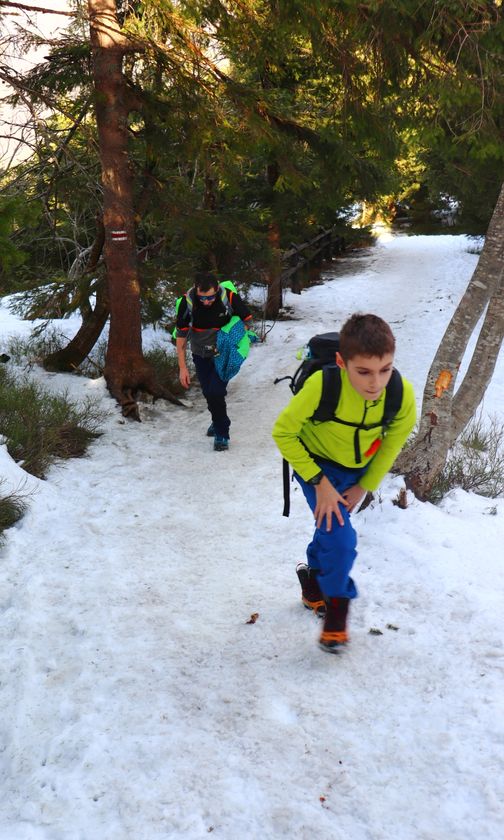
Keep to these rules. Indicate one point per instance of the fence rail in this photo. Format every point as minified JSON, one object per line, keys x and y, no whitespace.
{"x":300,"y":259}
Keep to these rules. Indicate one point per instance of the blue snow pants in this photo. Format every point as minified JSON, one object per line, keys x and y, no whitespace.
{"x":214,"y":390}
{"x":332,"y":553}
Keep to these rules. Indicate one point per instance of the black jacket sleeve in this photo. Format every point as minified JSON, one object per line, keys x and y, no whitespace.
{"x":239,"y":306}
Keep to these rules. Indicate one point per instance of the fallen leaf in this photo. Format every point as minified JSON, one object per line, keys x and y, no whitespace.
{"x":253,"y":618}
{"x":375,"y":632}
{"x":402,"y":499}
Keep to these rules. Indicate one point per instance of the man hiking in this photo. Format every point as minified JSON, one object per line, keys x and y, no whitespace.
{"x":337,"y":461}
{"x":203,"y":311}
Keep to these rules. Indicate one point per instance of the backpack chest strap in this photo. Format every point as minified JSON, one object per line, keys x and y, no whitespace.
{"x":331,"y":391}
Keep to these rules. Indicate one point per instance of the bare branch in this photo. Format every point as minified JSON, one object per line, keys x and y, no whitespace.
{"x":23,"y":8}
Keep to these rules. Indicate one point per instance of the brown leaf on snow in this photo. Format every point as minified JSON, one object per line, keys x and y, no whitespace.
{"x":402,"y":499}
{"x":253,"y":618}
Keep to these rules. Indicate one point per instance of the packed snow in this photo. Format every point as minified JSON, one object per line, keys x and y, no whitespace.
{"x":141,"y":702}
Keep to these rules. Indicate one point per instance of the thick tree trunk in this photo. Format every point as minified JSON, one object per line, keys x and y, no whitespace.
{"x":126,"y":370}
{"x":443,"y":417}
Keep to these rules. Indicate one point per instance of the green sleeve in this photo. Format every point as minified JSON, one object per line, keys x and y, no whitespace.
{"x":397,"y":435}
{"x":290,"y":423}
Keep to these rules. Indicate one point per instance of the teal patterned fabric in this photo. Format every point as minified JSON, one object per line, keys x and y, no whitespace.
{"x":233,"y":345}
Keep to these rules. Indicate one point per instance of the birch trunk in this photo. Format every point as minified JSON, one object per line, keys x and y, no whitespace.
{"x":442,"y":415}
{"x":480,"y":371}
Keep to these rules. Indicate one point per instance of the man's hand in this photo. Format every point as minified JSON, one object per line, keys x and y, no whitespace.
{"x":354,"y":496}
{"x":328,"y":502}
{"x":185,"y":379}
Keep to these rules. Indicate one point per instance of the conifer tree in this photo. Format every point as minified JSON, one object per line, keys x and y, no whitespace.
{"x":238,"y":121}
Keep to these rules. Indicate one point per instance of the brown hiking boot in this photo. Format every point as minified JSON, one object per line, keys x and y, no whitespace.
{"x":311,"y":594}
{"x":334,"y":634}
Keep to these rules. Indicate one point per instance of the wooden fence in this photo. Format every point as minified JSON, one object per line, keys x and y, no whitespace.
{"x":299,"y":261}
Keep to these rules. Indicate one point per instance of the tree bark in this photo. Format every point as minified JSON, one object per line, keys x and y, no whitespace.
{"x":480,"y":371}
{"x":126,"y":371}
{"x":274,"y":294}
{"x":443,"y":417}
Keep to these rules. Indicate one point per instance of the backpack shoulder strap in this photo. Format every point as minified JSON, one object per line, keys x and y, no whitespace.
{"x":331,"y":390}
{"x":189,"y":296}
{"x":228,"y":284}
{"x":286,"y":487}
{"x":393,"y":398}
{"x":226,"y":296}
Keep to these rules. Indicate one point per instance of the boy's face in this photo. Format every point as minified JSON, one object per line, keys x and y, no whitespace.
{"x":369,"y":375}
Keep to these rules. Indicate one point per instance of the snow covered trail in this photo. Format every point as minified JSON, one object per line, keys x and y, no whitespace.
{"x":137,"y":700}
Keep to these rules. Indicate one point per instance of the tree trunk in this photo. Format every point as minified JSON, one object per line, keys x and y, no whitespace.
{"x":93,"y":320}
{"x":71,"y":356}
{"x":274,"y":296}
{"x":126,"y":370}
{"x":442,"y":416}
{"x":480,"y":371}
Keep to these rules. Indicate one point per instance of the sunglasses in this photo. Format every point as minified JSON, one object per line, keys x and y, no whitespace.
{"x":207,"y":297}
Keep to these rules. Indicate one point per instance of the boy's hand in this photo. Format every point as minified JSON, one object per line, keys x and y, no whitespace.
{"x":328,"y":502}
{"x":185,"y":379}
{"x":354,"y":496}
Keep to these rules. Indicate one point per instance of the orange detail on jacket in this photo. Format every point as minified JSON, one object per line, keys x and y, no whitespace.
{"x":373,"y":449}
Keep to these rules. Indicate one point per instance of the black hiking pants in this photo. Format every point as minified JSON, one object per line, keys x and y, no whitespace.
{"x":214,"y":390}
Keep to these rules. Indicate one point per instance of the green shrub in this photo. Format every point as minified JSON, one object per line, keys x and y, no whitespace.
{"x":40,"y":427}
{"x":476,"y":462}
{"x":476,"y":245}
{"x":94,"y":364}
{"x":12,"y":508}
{"x":42,"y":341}
{"x":45,"y":340}
{"x":166,"y":368}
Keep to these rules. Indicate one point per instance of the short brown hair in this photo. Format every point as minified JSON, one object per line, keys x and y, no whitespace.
{"x":366,"y":335}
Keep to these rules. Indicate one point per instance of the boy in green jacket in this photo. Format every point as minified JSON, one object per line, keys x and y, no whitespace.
{"x":338,"y":462}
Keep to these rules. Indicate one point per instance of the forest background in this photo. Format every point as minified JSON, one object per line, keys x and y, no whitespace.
{"x":214,"y":135}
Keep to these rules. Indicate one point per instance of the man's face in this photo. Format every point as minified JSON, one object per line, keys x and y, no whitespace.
{"x":369,"y":375}
{"x":208,"y":297}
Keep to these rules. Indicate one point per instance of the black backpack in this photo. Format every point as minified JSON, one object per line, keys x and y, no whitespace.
{"x":321,"y":353}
